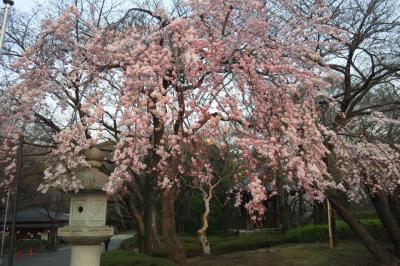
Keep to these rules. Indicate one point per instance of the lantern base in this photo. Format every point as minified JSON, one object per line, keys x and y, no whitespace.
{"x":85,"y":240}
{"x":88,"y":255}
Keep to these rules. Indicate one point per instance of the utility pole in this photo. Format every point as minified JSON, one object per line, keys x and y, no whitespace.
{"x":7,"y":5}
{"x":6,"y":9}
{"x":4,"y":227}
{"x":15,"y":199}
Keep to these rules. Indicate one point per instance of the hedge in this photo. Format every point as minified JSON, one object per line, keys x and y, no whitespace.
{"x":314,"y":233}
{"x":25,"y":244}
{"x":129,"y":243}
{"x":130,"y":258}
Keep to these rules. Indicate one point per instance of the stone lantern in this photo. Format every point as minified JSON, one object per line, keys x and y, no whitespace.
{"x":87,"y":217}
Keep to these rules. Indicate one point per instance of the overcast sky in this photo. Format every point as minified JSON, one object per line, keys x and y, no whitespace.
{"x":24,"y":4}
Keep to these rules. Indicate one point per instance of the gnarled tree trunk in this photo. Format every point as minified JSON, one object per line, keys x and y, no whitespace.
{"x":302,"y":208}
{"x":381,"y":204}
{"x":137,"y":217}
{"x":394,"y":202}
{"x":379,"y":253}
{"x":154,"y":231}
{"x":176,"y":253}
{"x":283,"y":205}
{"x":284,"y":211}
{"x":202,"y":231}
{"x":148,"y":215}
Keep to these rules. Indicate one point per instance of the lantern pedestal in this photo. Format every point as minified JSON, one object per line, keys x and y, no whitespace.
{"x":85,"y":240}
{"x":87,"y":219}
{"x":85,"y":255}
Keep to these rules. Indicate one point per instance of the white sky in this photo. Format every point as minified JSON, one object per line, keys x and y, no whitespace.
{"x":24,"y":4}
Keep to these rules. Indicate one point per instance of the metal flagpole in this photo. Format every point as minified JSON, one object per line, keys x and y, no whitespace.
{"x":15,"y":200}
{"x":7,"y":5}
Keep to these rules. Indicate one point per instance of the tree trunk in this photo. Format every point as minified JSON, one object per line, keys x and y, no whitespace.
{"x":394,"y":201}
{"x":139,"y":225}
{"x":381,"y":204}
{"x":302,"y":209}
{"x":154,"y":231}
{"x":319,"y":213}
{"x":202,"y":231}
{"x":148,"y":215}
{"x":152,"y":160}
{"x":274,"y":221}
{"x":53,"y":239}
{"x":284,"y":212}
{"x":283,"y":205}
{"x":176,"y":253}
{"x":380,"y":254}
{"x":238,"y":222}
{"x":315,"y":213}
{"x":224,"y":221}
{"x":140,"y":235}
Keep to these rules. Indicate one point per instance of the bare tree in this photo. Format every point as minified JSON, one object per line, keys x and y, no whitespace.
{"x":368,"y":66}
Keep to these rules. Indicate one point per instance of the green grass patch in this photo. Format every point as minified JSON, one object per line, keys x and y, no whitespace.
{"x":316,"y":254}
{"x":309,"y":254}
{"x":130,"y":258}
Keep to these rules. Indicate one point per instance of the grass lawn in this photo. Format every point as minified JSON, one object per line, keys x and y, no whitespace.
{"x":258,"y":240}
{"x":307,"y":245}
{"x":348,"y":253}
{"x":219,"y":245}
{"x":129,"y":258}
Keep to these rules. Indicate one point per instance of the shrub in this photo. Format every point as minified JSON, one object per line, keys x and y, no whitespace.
{"x":308,"y":233}
{"x":248,"y":242}
{"x":130,"y":258}
{"x":365,"y":214}
{"x":314,"y":233}
{"x":24,"y":245}
{"x":129,"y":243}
{"x":375,"y":227}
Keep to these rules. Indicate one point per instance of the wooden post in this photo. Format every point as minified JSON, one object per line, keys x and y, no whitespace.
{"x":331,"y":240}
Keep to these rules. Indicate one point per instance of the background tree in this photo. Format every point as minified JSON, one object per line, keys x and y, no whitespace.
{"x":367,"y":66}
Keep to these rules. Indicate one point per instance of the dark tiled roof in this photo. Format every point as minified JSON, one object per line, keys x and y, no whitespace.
{"x":36,"y":215}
